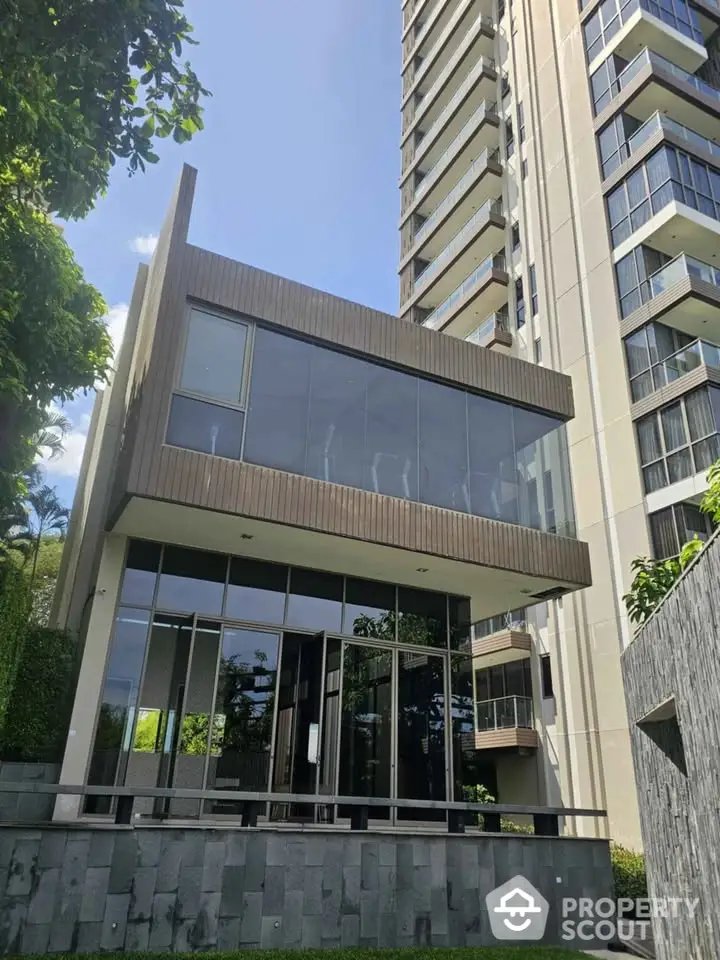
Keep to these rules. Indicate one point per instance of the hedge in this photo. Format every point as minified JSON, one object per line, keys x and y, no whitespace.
{"x":628,"y":869}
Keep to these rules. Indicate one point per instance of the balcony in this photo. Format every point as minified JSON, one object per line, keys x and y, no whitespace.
{"x":485,"y":290}
{"x":663,"y":382}
{"x":443,"y":91}
{"x":436,"y":17}
{"x":685,"y":294}
{"x":494,"y":331}
{"x":504,"y":646}
{"x":479,"y":186}
{"x":654,"y":83}
{"x":646,"y":24}
{"x":660,"y":123}
{"x":467,"y":37}
{"x":505,"y":722}
{"x":478,"y":86}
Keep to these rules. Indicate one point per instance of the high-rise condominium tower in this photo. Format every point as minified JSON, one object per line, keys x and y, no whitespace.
{"x":561,"y":201}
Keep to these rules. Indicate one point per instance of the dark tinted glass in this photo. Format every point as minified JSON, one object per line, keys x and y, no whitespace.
{"x":459,"y":611}
{"x":421,"y":731}
{"x":256,"y":591}
{"x":462,"y":713}
{"x":192,"y":581}
{"x":422,"y":617}
{"x":141,"y":567}
{"x":444,"y":478}
{"x":279,"y":402}
{"x":206,"y":427}
{"x":493,"y":473}
{"x":369,"y":609}
{"x":391,"y":443}
{"x":315,"y":600}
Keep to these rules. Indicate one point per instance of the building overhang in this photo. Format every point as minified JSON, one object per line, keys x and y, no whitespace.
{"x":690,"y":305}
{"x":676,"y":229}
{"x":505,"y":647}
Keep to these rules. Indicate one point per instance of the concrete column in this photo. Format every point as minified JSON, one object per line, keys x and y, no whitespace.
{"x":92,"y":674}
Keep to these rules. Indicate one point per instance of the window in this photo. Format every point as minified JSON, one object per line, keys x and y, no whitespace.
{"x":509,"y":139}
{"x":524,"y":169}
{"x":681,"y":439}
{"x":519,"y":304}
{"x":515,"y":234}
{"x":546,"y":676}
{"x":521,"y":122}
{"x":647,"y":351}
{"x":505,"y":680}
{"x":256,"y":591}
{"x":609,"y":78}
{"x":538,"y":351}
{"x":612,"y":14}
{"x":533,"y":290}
{"x":192,"y":581}
{"x":668,"y":174}
{"x":613,"y":142}
{"x":673,"y":527}
{"x":141,"y":570}
{"x":633,"y":275}
{"x":315,"y":600}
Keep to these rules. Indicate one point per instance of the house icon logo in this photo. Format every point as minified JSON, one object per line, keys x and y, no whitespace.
{"x":517,"y":911}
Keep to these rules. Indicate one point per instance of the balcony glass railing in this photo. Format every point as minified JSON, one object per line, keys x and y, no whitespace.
{"x":478,"y":23}
{"x":489,"y":208}
{"x":496,"y":321}
{"x":454,"y":102}
{"x":675,"y":270}
{"x":694,"y":355}
{"x":504,"y":713}
{"x":430,"y":20}
{"x":457,"y":191}
{"x":647,"y":56}
{"x":494,"y":262}
{"x":502,"y":622}
{"x":430,"y":95}
{"x":658,"y":121}
{"x":485,"y":108}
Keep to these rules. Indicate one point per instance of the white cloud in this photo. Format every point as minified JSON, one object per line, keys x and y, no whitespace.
{"x":68,"y":463}
{"x":115,"y":321}
{"x":145,"y":246}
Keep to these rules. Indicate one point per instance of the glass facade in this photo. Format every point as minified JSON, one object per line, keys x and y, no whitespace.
{"x":227,"y":673}
{"x":610,"y":16}
{"x":295,"y":406}
{"x":649,"y":352}
{"x":668,"y":174}
{"x":671,"y":528}
{"x":681,"y":439}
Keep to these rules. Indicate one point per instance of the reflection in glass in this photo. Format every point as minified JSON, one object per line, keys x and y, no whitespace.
{"x":331,"y":718}
{"x":365,"y":748}
{"x":192,"y":580}
{"x":256,"y":591}
{"x":214,"y":357}
{"x":141,"y":568}
{"x":205,"y":427}
{"x":120,"y":695}
{"x":465,"y":771}
{"x":391,"y":444}
{"x":315,"y":600}
{"x":195,"y":727}
{"x":369,"y":609}
{"x":460,"y":623}
{"x":243,"y":715}
{"x":444,"y":476}
{"x":421,"y":731}
{"x":422,"y":617}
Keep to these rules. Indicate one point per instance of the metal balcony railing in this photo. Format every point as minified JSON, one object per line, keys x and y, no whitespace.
{"x":647,"y":56}
{"x":513,"y":620}
{"x":478,"y":116}
{"x":454,"y":102}
{"x":496,"y":321}
{"x":494,"y":262}
{"x":504,"y":713}
{"x":658,"y":121}
{"x":478,"y":23}
{"x":457,"y":191}
{"x":447,"y":70}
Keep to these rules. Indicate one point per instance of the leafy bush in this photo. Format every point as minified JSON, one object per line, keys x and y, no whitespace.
{"x":628,"y":869}
{"x":480,"y":794}
{"x":14,"y":601}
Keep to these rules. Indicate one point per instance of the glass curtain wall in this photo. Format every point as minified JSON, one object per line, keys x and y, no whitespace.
{"x":224,"y":674}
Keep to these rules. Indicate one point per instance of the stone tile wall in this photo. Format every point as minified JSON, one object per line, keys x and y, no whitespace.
{"x":32,"y":808}
{"x":167,"y":888}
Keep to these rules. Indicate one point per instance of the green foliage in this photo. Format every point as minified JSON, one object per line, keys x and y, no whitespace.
{"x":628,"y":869}
{"x":14,"y":599}
{"x":85,"y":82}
{"x":654,"y":578}
{"x":35,"y":727}
{"x":479,"y":793}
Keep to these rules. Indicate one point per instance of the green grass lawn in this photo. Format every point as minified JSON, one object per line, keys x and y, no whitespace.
{"x":354,"y":953}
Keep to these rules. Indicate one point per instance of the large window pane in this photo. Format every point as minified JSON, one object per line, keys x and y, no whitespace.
{"x":422,"y":617}
{"x":649,"y":439}
{"x":214,"y":357}
{"x":493,"y":474}
{"x":421,"y":730}
{"x":336,"y":437}
{"x":444,"y":477}
{"x":392,"y":433}
{"x":664,"y":535}
{"x":141,"y":569}
{"x":279,"y":402}
{"x":673,"y":426}
{"x":243,"y":714}
{"x":369,"y":609}
{"x":256,"y":591}
{"x":315,"y":601}
{"x":192,"y":581}
{"x":122,"y":684}
{"x":460,"y":623}
{"x":701,"y":421}
{"x":205,"y":427}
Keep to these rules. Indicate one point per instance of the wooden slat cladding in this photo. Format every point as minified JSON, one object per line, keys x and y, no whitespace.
{"x":242,"y":289}
{"x":678,"y":388}
{"x":515,"y":737}
{"x":260,"y":493}
{"x":500,"y":642}
{"x":670,"y":299}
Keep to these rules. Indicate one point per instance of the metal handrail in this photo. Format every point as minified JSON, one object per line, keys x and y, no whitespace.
{"x":483,"y":110}
{"x":486,"y":157}
{"x":502,"y":713}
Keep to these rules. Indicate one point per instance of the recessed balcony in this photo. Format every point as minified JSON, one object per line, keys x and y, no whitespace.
{"x":646,"y":24}
{"x":483,"y":292}
{"x":480,"y":184}
{"x":505,"y":722}
{"x":654,"y":83}
{"x":685,"y":294}
{"x":445,"y":87}
{"x":434,"y":21}
{"x":476,"y":240}
{"x":469,"y":36}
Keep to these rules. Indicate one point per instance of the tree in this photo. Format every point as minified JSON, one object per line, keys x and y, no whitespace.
{"x":50,"y":516}
{"x":84,"y":83}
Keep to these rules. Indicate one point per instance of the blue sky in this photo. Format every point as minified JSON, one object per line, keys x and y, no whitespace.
{"x":297,"y":165}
